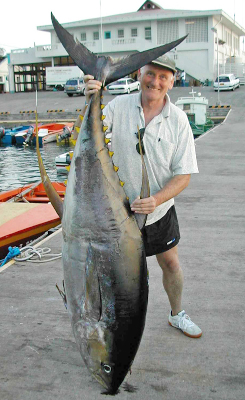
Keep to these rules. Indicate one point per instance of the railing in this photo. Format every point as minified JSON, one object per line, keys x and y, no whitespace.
{"x":89,"y":44}
{"x":122,"y":41}
{"x":47,"y":47}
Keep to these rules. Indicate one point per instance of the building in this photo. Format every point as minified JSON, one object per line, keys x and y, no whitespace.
{"x":212,"y":35}
{"x":4,"y":84}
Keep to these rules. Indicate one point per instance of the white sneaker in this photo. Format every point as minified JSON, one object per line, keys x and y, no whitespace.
{"x":183,"y":322}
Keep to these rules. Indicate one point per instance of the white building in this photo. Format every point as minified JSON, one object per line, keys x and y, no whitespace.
{"x":4,"y":84}
{"x":148,"y":27}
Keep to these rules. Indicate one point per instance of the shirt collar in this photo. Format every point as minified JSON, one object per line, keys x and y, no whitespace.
{"x":166,"y":109}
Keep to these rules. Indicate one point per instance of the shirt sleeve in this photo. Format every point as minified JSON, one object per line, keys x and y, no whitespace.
{"x":184,"y":159}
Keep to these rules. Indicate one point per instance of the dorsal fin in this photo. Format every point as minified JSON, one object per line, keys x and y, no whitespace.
{"x":145,"y":187}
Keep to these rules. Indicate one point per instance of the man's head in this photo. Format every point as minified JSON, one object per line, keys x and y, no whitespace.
{"x":165,"y":62}
{"x":157,"y":78}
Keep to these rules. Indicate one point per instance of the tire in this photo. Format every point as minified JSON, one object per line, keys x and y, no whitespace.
{"x":128,"y":91}
{"x":83,"y":92}
{"x":233,"y":89}
{"x":70,"y":94}
{"x":138,"y":87}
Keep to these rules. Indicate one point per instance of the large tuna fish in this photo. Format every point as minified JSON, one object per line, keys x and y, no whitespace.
{"x":105,"y":271}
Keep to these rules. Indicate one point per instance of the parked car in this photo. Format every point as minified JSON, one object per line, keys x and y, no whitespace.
{"x":227,"y":82}
{"x":125,"y":85}
{"x":75,"y":86}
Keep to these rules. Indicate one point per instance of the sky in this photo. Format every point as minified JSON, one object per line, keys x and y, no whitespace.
{"x":18,"y":27}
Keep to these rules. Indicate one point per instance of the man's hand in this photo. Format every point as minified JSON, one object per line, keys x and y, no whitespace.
{"x":91,"y":86}
{"x":144,"y":206}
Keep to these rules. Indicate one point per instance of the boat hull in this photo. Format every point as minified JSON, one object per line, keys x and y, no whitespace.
{"x":21,"y":222}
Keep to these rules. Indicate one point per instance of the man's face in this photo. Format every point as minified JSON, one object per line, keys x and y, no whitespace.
{"x":155,"y":81}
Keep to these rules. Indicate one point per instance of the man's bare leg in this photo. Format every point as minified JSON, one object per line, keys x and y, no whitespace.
{"x":172,"y":277}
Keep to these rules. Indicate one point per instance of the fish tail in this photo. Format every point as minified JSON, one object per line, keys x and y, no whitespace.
{"x":103,"y":68}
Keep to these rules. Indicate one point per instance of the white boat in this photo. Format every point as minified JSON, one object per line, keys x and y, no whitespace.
{"x":62,"y":162}
{"x":196,"y":109}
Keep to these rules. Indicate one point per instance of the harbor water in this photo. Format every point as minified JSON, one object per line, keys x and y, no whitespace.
{"x":19,"y":165}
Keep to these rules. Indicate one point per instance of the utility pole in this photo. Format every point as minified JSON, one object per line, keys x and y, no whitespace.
{"x":214,"y":29}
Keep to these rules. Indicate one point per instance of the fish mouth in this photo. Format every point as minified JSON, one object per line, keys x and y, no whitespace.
{"x":103,"y":382}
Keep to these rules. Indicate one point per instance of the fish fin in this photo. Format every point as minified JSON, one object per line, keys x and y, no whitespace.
{"x":104,"y":68}
{"x":92,"y":301}
{"x":53,"y":196}
{"x":133,"y":62}
{"x":145,"y":187}
{"x":83,"y":58}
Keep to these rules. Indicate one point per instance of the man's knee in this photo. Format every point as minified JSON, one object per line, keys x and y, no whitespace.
{"x":169,"y":261}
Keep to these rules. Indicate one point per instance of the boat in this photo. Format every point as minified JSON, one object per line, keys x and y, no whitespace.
{"x":63,"y":161}
{"x":46,"y":133}
{"x":23,"y":222}
{"x":31,"y":193}
{"x":7,"y":136}
{"x":25,"y":214}
{"x":196,"y":109}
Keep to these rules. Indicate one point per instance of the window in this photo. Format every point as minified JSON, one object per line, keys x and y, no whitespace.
{"x":167,"y":31}
{"x":120,"y":33}
{"x":197,"y":29}
{"x":148,"y":33}
{"x":107,"y":35}
{"x":96,"y":35}
{"x":83,"y":36}
{"x":134,"y":32}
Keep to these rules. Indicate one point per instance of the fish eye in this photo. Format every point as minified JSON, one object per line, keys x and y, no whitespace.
{"x":107,"y":368}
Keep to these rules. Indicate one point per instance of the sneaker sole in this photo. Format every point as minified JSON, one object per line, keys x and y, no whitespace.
{"x":187,"y":334}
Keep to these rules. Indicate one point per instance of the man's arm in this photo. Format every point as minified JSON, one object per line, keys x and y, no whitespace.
{"x":170,"y":190}
{"x":91,"y":87}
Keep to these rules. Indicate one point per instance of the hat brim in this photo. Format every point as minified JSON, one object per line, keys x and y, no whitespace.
{"x":164,"y":66}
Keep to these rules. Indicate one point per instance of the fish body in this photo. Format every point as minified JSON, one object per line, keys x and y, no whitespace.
{"x":104,"y":263}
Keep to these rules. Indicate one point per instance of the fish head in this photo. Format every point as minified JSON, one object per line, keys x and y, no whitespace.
{"x":97,"y":346}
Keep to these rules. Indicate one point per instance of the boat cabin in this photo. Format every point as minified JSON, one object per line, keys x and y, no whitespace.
{"x":195,"y":107}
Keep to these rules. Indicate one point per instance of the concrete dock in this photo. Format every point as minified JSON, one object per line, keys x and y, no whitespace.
{"x":38,"y":355}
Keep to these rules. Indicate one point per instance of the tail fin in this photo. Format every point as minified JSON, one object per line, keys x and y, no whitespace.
{"x":103,"y":68}
{"x":53,"y":196}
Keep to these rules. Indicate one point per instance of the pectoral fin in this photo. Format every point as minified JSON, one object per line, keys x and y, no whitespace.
{"x":53,"y":196}
{"x":92,"y":300}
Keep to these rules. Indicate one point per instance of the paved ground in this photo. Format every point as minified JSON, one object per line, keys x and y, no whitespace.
{"x":38,"y":355}
{"x":14,"y":103}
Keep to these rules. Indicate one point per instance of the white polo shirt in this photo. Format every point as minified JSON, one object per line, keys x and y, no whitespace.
{"x":168,"y":142}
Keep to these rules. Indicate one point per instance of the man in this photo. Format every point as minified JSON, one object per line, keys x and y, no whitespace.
{"x":182,"y":78}
{"x":170,"y":158}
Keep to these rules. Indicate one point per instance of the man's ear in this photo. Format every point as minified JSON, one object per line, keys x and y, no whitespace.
{"x":139,"y":74}
{"x":171,"y":84}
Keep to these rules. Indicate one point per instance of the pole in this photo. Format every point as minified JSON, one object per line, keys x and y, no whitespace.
{"x":214,"y":29}
{"x":218,"y":101}
{"x":101,"y":31}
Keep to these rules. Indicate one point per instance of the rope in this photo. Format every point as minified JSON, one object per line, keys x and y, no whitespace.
{"x":28,"y":253}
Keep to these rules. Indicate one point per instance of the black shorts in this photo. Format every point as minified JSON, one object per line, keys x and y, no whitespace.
{"x":161,"y":235}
